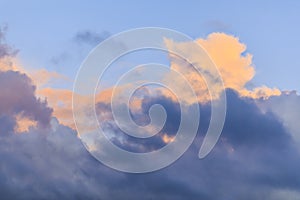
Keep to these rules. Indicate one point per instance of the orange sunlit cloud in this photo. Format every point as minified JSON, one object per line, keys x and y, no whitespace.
{"x":23,"y":123}
{"x":228,"y":53}
{"x":61,"y":102}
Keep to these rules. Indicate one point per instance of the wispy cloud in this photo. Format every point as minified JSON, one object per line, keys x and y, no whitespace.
{"x":90,"y":37}
{"x":5,"y":49}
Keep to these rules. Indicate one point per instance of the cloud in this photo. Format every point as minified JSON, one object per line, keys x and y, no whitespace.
{"x":9,"y":62}
{"x":46,"y":164}
{"x":141,"y":117}
{"x":227,"y":52}
{"x":47,"y":161}
{"x":286,"y":108}
{"x":5,"y":49}
{"x":231,"y":59}
{"x":18,"y":97}
{"x":90,"y":37}
{"x":255,"y":153}
{"x":59,"y":59}
{"x":249,"y":157}
{"x":61,"y":102}
{"x":217,"y":25}
{"x":263,"y":92}
{"x":23,"y":123}
{"x":7,"y":53}
{"x":77,"y":49}
{"x":257,"y":150}
{"x":28,"y":85}
{"x":43,"y":77}
{"x":19,"y":87}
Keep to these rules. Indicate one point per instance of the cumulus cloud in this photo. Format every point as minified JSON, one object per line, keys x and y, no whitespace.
{"x":231,"y":59}
{"x":18,"y":97}
{"x":29,"y":83}
{"x":19,"y":87}
{"x":227,"y":53}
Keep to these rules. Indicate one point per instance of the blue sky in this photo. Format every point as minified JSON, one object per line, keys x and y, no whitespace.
{"x":43,"y":30}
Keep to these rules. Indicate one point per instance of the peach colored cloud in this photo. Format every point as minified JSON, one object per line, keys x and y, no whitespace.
{"x":167,"y":139}
{"x":10,"y":63}
{"x":227,"y":53}
{"x":24,"y":123}
{"x":61,"y":102}
{"x":231,"y":59}
{"x":260,"y":92}
{"x":42,"y":77}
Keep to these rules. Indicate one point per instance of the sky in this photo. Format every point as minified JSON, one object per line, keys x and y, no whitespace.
{"x":254,"y":46}
{"x":268,"y":28}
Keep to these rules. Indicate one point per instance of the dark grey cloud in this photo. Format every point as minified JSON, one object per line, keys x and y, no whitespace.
{"x":46,"y":164}
{"x":7,"y":124}
{"x":255,"y":153}
{"x":287,"y":108}
{"x":255,"y":158}
{"x":141,"y":145}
